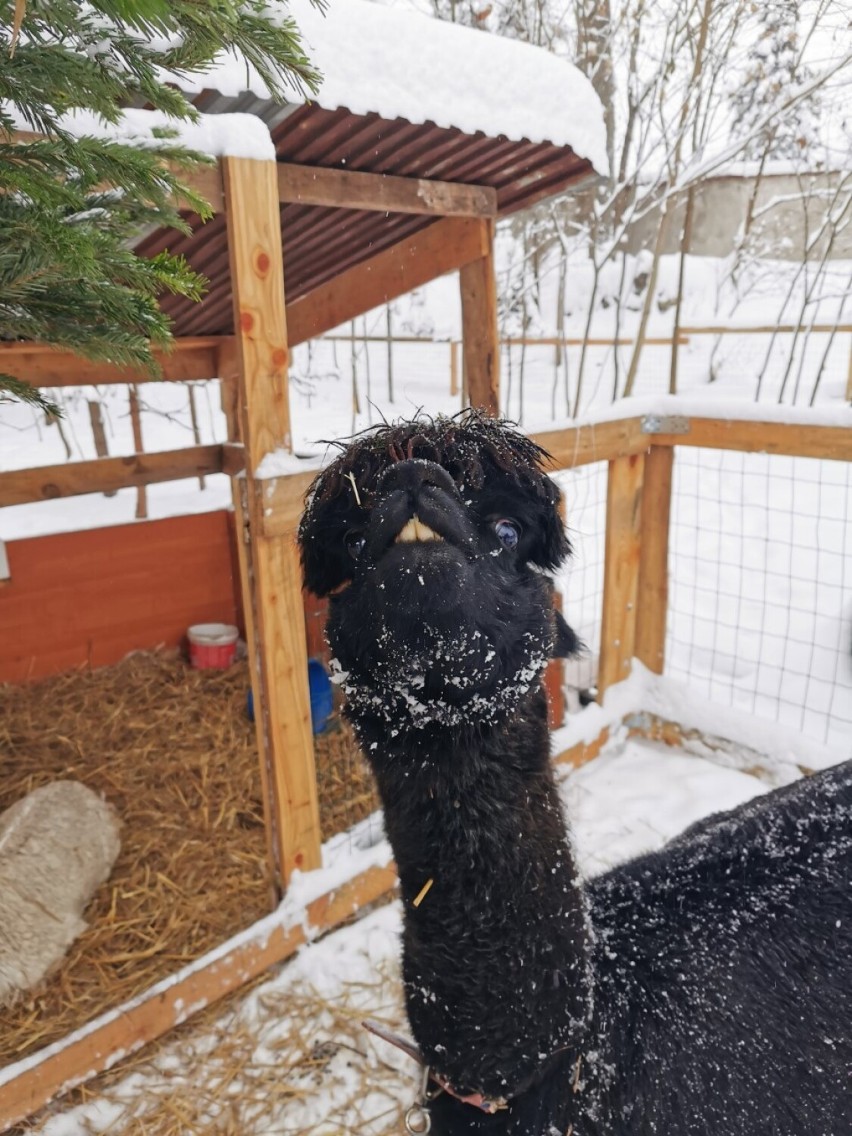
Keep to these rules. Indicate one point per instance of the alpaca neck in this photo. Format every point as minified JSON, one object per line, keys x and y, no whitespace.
{"x":496,"y":952}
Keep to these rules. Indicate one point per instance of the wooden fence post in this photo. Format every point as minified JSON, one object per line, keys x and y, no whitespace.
{"x":272,"y":591}
{"x":480,"y":338}
{"x":621,"y":568}
{"x":653,"y":590}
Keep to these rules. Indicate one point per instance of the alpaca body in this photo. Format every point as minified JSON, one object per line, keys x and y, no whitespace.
{"x":704,"y":989}
{"x":693,"y":1003}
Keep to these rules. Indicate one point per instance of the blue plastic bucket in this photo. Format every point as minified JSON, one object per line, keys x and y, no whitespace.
{"x":322,"y":698}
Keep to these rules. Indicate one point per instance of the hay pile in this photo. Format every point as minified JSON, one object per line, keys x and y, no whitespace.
{"x":172,"y":750}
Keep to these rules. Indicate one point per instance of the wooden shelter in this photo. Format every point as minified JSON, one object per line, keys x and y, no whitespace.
{"x":355,"y":210}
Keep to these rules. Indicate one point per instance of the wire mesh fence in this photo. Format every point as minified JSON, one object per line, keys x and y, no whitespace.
{"x":581,"y":580}
{"x":760,"y":599}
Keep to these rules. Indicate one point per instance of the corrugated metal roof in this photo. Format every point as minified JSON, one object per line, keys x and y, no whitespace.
{"x":319,"y":243}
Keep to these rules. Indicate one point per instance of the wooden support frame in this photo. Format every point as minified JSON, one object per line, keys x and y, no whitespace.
{"x":126,"y":1028}
{"x":480,"y":334}
{"x":348,"y":189}
{"x":269,"y":565}
{"x":441,"y":247}
{"x":106,"y":475}
{"x":653,"y":585}
{"x":193,"y":359}
{"x":253,"y":366}
{"x":621,"y":569}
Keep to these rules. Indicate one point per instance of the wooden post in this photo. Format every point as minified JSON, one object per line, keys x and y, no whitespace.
{"x":481,"y":343}
{"x":271,"y":576}
{"x":454,"y":368}
{"x":621,"y":568}
{"x":136,"y":425}
{"x":849,"y":376}
{"x":99,"y":434}
{"x":653,"y":589}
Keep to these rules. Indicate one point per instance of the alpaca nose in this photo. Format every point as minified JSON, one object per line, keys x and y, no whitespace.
{"x":413,"y":475}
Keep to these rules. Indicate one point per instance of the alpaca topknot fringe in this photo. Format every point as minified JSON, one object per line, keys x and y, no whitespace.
{"x":462,"y":443}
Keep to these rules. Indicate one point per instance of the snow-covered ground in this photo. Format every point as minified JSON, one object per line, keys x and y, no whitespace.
{"x":290,"y":1056}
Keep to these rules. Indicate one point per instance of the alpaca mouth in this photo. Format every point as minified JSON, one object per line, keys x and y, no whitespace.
{"x":415,"y":531}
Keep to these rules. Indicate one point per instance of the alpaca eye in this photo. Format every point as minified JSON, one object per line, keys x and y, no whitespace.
{"x":508,"y":533}
{"x":355,"y":542}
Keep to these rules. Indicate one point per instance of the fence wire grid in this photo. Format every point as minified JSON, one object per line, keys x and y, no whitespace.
{"x":760,"y":587}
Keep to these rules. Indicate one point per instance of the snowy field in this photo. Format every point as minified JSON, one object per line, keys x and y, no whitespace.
{"x":291,"y":1058}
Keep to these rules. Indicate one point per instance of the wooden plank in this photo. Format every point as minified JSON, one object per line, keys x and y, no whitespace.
{"x":793,"y":439}
{"x":480,"y":335}
{"x":281,"y":501}
{"x":271,"y":573}
{"x":582,"y":445}
{"x":441,"y":247}
{"x":347,"y":189}
{"x":769,"y":329}
{"x":653,"y":588}
{"x":767,"y":767}
{"x":104,"y":475}
{"x":193,"y":358}
{"x":136,"y":425}
{"x":125,"y":1029}
{"x":582,"y":752}
{"x":87,"y":598}
{"x":621,"y":569}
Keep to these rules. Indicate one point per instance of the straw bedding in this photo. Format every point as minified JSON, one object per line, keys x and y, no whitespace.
{"x":173,"y":751}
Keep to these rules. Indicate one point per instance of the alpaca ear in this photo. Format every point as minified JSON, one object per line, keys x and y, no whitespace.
{"x":566,"y":643}
{"x":549,"y":545}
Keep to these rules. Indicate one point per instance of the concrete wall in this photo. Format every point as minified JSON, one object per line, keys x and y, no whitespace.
{"x":789,"y":212}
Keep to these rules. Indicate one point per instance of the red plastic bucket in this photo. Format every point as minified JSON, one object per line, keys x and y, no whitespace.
{"x":212,"y":646}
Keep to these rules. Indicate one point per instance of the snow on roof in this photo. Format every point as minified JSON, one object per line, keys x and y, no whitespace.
{"x":401,"y":64}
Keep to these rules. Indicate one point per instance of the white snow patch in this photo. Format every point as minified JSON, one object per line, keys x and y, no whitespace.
{"x":406,"y":65}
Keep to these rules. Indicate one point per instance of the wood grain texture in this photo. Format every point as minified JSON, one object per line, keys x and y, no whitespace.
{"x":125,"y":1029}
{"x":480,"y":334}
{"x":88,"y":598}
{"x":582,"y":752}
{"x":793,"y":439}
{"x":653,"y":588}
{"x":104,"y":475}
{"x":582,"y":445}
{"x":621,"y":569}
{"x":348,"y":189}
{"x":439,"y":248}
{"x":194,"y":358}
{"x":270,"y":569}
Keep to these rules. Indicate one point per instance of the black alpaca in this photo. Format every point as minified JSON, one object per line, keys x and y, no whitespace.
{"x":704,"y":989}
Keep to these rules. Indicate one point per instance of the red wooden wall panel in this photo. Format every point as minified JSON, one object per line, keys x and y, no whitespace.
{"x":90,"y":597}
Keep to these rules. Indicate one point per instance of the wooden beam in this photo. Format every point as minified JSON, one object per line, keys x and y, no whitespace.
{"x":347,"y":189}
{"x":105,"y":475}
{"x":271,"y":572}
{"x":441,"y":247}
{"x":193,"y":358}
{"x":653,"y":588}
{"x":582,"y":445}
{"x":582,"y":752}
{"x":621,"y":569}
{"x":793,"y":439}
{"x":124,"y":1029}
{"x":480,"y":335}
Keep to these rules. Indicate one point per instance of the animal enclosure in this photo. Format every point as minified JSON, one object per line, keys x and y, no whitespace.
{"x":633,"y":567}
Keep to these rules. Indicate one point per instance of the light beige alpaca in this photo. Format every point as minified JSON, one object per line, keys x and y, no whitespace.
{"x":57,"y":845}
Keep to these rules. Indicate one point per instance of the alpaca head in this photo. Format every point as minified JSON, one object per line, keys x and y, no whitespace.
{"x":433,"y":538}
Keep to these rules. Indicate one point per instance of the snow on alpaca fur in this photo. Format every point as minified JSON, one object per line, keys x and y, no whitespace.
{"x":706,"y":987}
{"x":57,"y":845}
